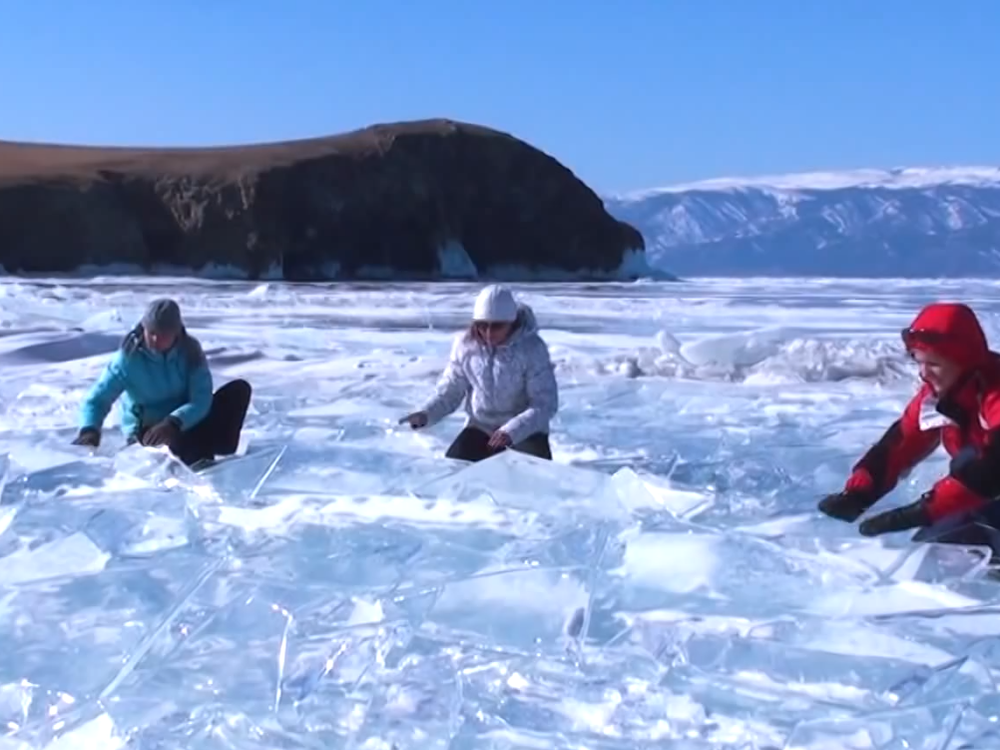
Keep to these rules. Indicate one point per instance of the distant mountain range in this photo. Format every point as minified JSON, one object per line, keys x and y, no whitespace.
{"x":900,"y":222}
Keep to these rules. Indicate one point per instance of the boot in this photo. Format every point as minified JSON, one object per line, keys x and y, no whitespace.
{"x":847,"y":505}
{"x":906,"y":517}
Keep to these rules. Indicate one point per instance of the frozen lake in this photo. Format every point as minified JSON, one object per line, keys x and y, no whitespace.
{"x":666,"y":582}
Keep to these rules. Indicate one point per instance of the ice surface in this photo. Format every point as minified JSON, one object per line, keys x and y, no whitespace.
{"x":338,"y":584}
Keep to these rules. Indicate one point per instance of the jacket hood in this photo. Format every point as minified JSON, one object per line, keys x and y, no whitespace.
{"x":524,"y":326}
{"x":526,"y":323}
{"x":949,"y":330}
{"x":135,"y":342}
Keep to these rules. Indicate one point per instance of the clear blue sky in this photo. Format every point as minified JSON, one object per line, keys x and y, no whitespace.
{"x":627,"y":93}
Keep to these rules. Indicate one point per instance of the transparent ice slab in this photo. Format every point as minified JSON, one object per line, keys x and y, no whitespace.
{"x":337,"y":468}
{"x":520,"y":610}
{"x":932,"y":726}
{"x":97,"y":617}
{"x":517,"y":480}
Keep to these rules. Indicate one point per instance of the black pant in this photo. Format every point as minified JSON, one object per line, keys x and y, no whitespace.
{"x":472,"y":444}
{"x":218,"y":434}
{"x":979,"y":528}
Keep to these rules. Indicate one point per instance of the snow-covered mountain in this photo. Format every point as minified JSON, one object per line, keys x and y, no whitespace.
{"x":901,"y":222}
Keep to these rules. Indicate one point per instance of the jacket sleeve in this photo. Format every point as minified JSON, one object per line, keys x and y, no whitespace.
{"x":103,"y":394}
{"x":451,"y":387}
{"x":543,"y":396}
{"x":904,"y":445}
{"x":199,"y":396}
{"x":973,"y":476}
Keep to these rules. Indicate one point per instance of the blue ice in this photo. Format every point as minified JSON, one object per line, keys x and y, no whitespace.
{"x":665,"y":582}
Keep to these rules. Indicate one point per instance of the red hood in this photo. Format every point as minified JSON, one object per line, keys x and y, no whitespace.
{"x":950,"y":330}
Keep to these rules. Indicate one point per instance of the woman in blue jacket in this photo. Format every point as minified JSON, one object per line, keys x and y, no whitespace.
{"x":162,"y":378}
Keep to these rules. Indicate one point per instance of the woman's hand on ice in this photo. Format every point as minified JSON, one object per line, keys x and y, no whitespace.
{"x":416,"y":420}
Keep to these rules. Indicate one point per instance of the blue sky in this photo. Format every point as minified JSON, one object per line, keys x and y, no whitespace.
{"x":628,"y":94}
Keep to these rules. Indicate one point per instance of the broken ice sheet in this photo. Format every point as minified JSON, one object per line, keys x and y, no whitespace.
{"x":742,"y":574}
{"x":948,"y":562}
{"x":328,"y":467}
{"x":224,"y":643}
{"x":15,"y":703}
{"x":40,"y":453}
{"x":416,"y":705}
{"x":517,"y":609}
{"x":292,"y":657}
{"x":158,"y":467}
{"x":99,"y":732}
{"x":616,"y":702}
{"x":65,"y":480}
{"x":407,"y":510}
{"x":954,"y":678}
{"x":239,"y":478}
{"x":640,"y":491}
{"x":213,"y":726}
{"x":930,"y":563}
{"x":517,"y":480}
{"x":979,"y":727}
{"x":367,"y":557}
{"x":157,"y":534}
{"x":589,"y":545}
{"x":323,"y":687}
{"x":7,"y":515}
{"x":93,"y":623}
{"x":897,"y":598}
{"x":274,"y":519}
{"x":856,"y":638}
{"x":74,"y":555}
{"x":812,"y":680}
{"x":141,"y":522}
{"x":342,"y":663}
{"x":930,"y":727}
{"x":541,"y":692}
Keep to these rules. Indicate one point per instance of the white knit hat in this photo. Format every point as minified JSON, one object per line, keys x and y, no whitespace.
{"x":495,"y":304}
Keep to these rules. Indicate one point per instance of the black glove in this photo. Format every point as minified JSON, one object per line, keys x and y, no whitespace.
{"x":163,"y":432}
{"x":847,"y":505}
{"x":88,"y":436}
{"x":906,"y":517}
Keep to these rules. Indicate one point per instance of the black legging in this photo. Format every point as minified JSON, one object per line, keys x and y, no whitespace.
{"x":472,"y":444}
{"x":218,"y":434}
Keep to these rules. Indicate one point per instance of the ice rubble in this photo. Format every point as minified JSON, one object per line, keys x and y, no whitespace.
{"x":332,"y":586}
{"x":511,"y":603}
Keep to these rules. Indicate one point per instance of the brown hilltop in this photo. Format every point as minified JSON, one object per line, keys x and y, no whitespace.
{"x":377,"y":202}
{"x":21,"y":162}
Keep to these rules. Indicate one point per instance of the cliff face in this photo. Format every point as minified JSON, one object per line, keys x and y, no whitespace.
{"x":391,"y":201}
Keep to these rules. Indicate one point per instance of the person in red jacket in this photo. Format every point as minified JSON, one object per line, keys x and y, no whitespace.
{"x":958,"y":407}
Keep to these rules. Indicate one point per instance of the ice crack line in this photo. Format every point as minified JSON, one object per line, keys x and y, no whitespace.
{"x":146,"y":644}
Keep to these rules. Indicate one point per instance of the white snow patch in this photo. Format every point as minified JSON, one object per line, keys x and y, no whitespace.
{"x":902,"y":178}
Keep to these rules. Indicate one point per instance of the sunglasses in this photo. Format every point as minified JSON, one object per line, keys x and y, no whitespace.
{"x":913,"y":336}
{"x":483,"y":325}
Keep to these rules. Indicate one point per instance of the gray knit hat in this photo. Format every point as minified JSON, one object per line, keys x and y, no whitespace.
{"x":162,"y":316}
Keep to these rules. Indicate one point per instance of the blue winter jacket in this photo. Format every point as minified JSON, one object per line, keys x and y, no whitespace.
{"x":151,"y":385}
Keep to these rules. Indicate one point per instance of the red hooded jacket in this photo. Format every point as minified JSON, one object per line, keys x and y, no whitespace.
{"x":965,"y":420}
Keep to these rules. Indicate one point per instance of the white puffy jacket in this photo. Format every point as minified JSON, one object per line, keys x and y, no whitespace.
{"x":511,"y":386}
